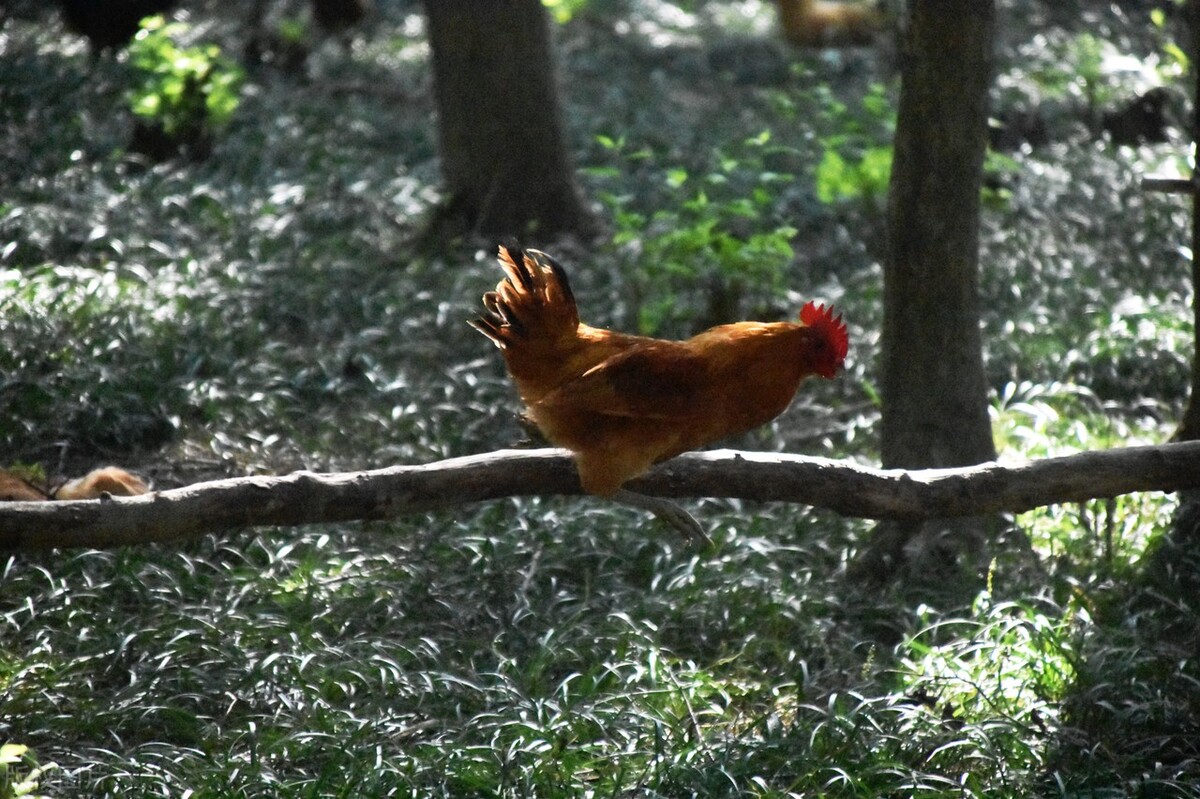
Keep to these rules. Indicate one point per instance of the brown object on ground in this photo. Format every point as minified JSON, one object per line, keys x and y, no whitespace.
{"x":823,"y":23}
{"x":14,"y":488}
{"x":109,"y":480}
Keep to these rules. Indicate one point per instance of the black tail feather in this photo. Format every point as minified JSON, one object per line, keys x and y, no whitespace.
{"x":534,"y":301}
{"x":518,"y":255}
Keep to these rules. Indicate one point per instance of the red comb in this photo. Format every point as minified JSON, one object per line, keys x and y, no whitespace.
{"x":821,"y":318}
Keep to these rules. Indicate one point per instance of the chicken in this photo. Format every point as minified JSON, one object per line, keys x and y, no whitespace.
{"x":828,"y":23}
{"x":622,"y":403}
{"x":17,"y":488}
{"x":98,"y":483}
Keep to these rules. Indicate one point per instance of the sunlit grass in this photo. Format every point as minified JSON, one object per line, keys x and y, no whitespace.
{"x":20,"y":772}
{"x":1109,"y":535}
{"x":997,"y":675}
{"x":516,"y":665}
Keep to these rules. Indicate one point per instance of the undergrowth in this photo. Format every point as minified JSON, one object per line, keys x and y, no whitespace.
{"x":263,"y":310}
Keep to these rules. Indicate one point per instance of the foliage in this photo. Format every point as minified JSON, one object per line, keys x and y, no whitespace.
{"x":1005,"y":667}
{"x":1176,"y":64}
{"x":564,"y":10}
{"x":715,"y":239}
{"x":866,"y":178}
{"x":265,"y":310}
{"x":855,"y":166}
{"x":1131,"y":715}
{"x":1096,"y":541}
{"x":1139,"y":349}
{"x":20,"y":772}
{"x":189,"y":93}
{"x":1085,"y":68}
{"x":88,"y":365}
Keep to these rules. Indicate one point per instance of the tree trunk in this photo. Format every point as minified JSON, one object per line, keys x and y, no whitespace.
{"x":932,"y":378}
{"x":934,"y":390}
{"x":1189,"y":428}
{"x":504,"y":159}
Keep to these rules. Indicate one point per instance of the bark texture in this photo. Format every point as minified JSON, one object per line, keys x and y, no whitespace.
{"x":934,"y":388}
{"x":846,"y":488}
{"x":1189,"y":428}
{"x":504,"y":157}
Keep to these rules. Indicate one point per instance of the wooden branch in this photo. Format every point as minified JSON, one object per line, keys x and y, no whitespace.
{"x":843,"y":487}
{"x":1169,"y":185}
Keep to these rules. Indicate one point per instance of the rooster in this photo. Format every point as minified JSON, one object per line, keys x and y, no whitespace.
{"x":110,"y":481}
{"x":16,"y":487}
{"x":622,"y":403}
{"x":829,"y":23}
{"x":98,"y":483}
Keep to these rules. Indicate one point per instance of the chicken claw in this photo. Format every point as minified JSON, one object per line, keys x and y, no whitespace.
{"x":668,"y":512}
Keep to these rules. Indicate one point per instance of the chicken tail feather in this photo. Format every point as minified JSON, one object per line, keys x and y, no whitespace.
{"x":534,"y":302}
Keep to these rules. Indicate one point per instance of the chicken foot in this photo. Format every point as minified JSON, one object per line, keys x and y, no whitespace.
{"x":666,"y":511}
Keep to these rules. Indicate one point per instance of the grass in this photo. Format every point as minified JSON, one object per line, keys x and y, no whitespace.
{"x":262,"y":311}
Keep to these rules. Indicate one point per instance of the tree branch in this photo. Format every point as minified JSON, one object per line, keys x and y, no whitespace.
{"x":843,"y":487}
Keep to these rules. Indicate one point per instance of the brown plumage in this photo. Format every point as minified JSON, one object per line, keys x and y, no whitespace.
{"x":15,"y":488}
{"x":109,"y":480}
{"x":622,"y":403}
{"x":829,"y":23}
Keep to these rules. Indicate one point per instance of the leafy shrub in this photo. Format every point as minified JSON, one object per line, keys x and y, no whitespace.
{"x":20,"y":772}
{"x":1089,"y":542}
{"x":93,"y":375}
{"x":185,"y":95}
{"x":722,"y":242}
{"x":854,"y":164}
{"x":1136,"y":350}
